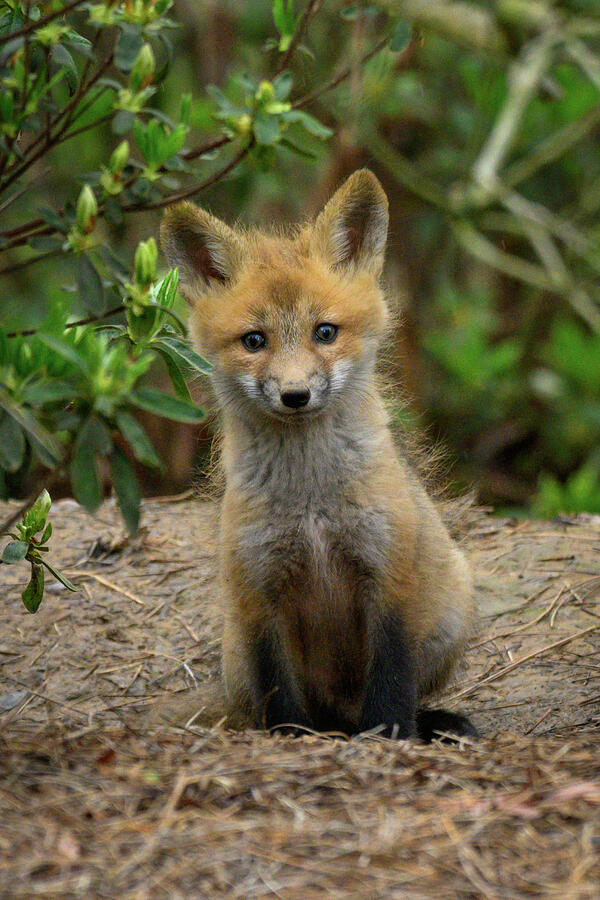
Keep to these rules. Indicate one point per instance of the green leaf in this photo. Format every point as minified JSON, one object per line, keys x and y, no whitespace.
{"x":36,"y":432}
{"x":312,"y":125}
{"x":282,"y":85}
{"x":47,"y":534}
{"x":295,"y":147}
{"x":266,"y":129}
{"x":61,"y":57}
{"x":400,"y":37}
{"x":285,"y":22}
{"x":33,"y":593}
{"x":12,"y":444}
{"x":123,"y":122}
{"x":166,"y":406}
{"x":89,"y":285}
{"x":35,"y":518}
{"x":84,"y":468}
{"x":67,"y":351}
{"x":14,"y":552}
{"x":95,"y":433}
{"x":177,"y":379}
{"x":62,"y":578}
{"x":185,"y":353}
{"x":138,"y":440}
{"x":38,"y":393}
{"x":126,"y":488}
{"x":166,"y":289}
{"x":128,"y":46}
{"x":46,"y":242}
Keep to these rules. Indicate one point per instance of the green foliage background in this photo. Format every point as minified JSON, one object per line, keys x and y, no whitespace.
{"x":482,"y":120}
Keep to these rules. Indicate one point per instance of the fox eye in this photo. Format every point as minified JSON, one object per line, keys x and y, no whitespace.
{"x":326,"y":333}
{"x":254,"y":340}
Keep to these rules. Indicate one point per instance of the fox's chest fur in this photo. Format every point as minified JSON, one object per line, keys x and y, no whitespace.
{"x":309,"y":549}
{"x":304,"y":520}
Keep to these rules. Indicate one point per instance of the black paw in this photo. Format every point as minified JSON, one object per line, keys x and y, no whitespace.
{"x":439,"y":724}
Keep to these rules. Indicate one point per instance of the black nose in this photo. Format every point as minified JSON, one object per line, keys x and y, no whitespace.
{"x":296,"y":398}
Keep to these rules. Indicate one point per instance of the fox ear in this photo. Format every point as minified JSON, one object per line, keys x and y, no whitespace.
{"x":352,"y":228}
{"x":205,"y":250}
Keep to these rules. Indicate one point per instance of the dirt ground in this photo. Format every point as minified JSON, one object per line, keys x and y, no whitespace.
{"x":110,"y":788}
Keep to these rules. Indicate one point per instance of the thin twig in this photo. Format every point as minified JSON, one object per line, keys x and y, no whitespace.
{"x":24,"y":264}
{"x":523,"y":659}
{"x":524,"y":77}
{"x":79,"y":573}
{"x":67,"y":113}
{"x":111,"y":312}
{"x":194,"y":189}
{"x":201,"y":149}
{"x":310,"y":11}
{"x":337,"y":79}
{"x":34,"y":26}
{"x":48,"y":699}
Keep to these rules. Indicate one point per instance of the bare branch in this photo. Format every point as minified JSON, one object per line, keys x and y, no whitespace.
{"x":524,"y":78}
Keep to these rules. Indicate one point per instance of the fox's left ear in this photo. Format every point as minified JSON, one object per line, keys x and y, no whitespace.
{"x":206,"y":251}
{"x":352,"y":228}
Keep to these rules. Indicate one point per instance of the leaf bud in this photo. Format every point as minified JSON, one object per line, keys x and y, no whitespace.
{"x":87,"y":210}
{"x":145,"y":262}
{"x":265,"y":93}
{"x":142,"y":71}
{"x":119,"y":157}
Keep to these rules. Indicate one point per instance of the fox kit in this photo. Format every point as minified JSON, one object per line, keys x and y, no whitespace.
{"x":345,"y":599}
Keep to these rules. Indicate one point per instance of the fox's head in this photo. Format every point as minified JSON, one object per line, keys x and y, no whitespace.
{"x":291,"y":325}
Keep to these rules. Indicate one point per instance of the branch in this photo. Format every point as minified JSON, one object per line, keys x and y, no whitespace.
{"x":402,"y":169}
{"x":510,"y":265}
{"x":195,"y":189}
{"x":26,"y":29}
{"x":201,"y":149}
{"x":27,"y":332}
{"x":524,"y":77}
{"x":310,"y":11}
{"x":556,"y":280}
{"x":16,"y":267}
{"x":585,"y":59}
{"x":46,"y":145}
{"x":552,"y":147}
{"x":337,"y":79}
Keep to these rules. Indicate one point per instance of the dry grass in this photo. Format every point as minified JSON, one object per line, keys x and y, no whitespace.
{"x":101,"y":797}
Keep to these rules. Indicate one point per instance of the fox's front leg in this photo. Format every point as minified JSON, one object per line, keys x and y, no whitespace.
{"x":275,"y":696}
{"x":391,"y":686}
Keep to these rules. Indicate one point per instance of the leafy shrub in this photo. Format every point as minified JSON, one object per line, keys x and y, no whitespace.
{"x":69,"y":386}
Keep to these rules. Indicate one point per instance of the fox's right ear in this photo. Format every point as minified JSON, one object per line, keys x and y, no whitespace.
{"x":352,"y":228}
{"x":205,"y":250}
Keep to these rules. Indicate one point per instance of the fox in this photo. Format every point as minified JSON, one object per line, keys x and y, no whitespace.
{"x":346,"y":602}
